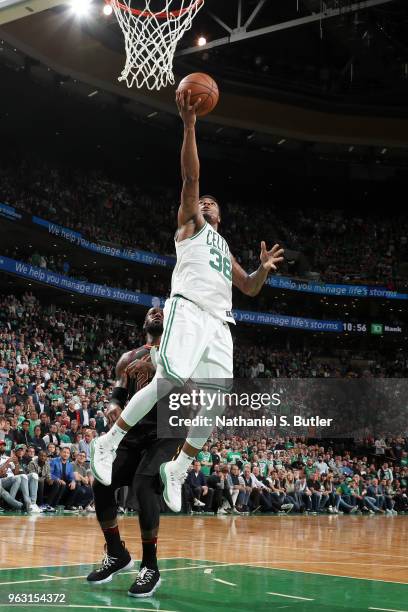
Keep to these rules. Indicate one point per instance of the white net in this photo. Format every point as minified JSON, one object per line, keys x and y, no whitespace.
{"x":151,"y":39}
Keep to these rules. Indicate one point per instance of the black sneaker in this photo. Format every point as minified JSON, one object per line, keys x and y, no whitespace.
{"x":110,"y":566}
{"x":147,"y":581}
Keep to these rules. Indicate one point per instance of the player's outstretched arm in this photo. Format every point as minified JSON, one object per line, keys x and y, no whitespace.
{"x":190,"y":164}
{"x":251,"y":284}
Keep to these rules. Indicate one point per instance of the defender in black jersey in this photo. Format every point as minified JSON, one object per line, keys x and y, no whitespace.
{"x":137,"y":464}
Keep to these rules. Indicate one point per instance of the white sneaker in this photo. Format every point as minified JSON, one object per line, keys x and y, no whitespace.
{"x":172,"y":480}
{"x":222,"y":511}
{"x":198,"y":503}
{"x":90,"y":508}
{"x":102,"y":458}
{"x":34,"y":508}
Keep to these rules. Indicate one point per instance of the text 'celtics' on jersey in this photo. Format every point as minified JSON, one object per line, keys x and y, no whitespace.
{"x":203,"y":272}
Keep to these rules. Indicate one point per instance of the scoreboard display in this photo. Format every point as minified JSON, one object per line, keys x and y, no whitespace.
{"x":376,"y":329}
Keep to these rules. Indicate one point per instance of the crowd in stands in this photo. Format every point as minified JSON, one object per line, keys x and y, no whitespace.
{"x":339,"y":246}
{"x":261,"y":360}
{"x":282,"y":475}
{"x":56,"y":376}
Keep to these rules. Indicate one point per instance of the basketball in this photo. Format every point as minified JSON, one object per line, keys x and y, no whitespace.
{"x":202,"y":86}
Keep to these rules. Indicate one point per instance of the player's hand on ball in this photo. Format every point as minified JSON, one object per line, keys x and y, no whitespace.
{"x":188,"y":111}
{"x":271,"y":259}
{"x":113,"y":414}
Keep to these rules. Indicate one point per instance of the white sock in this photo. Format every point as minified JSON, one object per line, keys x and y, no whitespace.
{"x":114,"y":436}
{"x":143,"y":401}
{"x":138,"y":406}
{"x":183,"y":461}
{"x":199,"y":434}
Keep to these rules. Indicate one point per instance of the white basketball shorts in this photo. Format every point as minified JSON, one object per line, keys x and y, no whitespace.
{"x":195,"y":345}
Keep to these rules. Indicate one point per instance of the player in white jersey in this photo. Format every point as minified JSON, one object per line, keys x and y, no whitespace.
{"x":196,"y":342}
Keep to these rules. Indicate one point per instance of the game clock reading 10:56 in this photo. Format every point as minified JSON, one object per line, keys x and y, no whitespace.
{"x":355,"y":327}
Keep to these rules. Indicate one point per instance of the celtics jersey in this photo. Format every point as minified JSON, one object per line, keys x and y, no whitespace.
{"x":203,"y":272}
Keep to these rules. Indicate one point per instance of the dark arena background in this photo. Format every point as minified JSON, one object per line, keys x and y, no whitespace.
{"x":308,"y":149}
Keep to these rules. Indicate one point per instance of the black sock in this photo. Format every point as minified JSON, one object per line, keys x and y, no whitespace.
{"x":149,"y":553}
{"x":114,"y":545}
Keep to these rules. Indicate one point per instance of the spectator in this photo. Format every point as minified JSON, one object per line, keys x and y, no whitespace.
{"x":44,"y":424}
{"x":246,"y":477}
{"x":73,"y":430}
{"x":37,"y":440}
{"x":52,"y":436}
{"x":84,"y":414}
{"x":23,"y":436}
{"x":237,"y":488}
{"x":289,"y":488}
{"x":347,"y":497}
{"x":52,"y":450}
{"x":385,"y":472}
{"x":197,"y":488}
{"x":62,"y":472}
{"x":85,"y":446}
{"x":218,"y":483}
{"x":11,"y":484}
{"x":47,"y":488}
{"x":321,"y":465}
{"x":206,"y":460}
{"x":84,"y":495}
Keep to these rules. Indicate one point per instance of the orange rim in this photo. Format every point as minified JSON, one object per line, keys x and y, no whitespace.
{"x":161,"y":15}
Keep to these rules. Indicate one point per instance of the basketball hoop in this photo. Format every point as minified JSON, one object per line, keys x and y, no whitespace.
{"x":151,"y":39}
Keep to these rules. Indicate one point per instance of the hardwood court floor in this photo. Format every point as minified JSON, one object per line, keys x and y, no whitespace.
{"x":232,"y":564}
